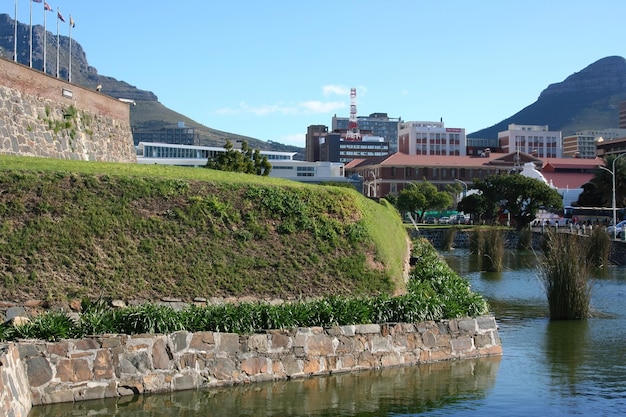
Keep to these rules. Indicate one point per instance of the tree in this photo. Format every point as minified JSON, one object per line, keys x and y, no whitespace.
{"x":477,"y":206}
{"x":246,"y":160}
{"x":418,"y":197}
{"x":598,"y":192}
{"x":520,"y":196}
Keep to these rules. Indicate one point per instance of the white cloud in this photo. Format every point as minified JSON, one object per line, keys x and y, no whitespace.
{"x":314,"y":106}
{"x":336,"y":90}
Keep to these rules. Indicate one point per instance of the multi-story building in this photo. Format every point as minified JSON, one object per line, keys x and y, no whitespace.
{"x":531,"y":139}
{"x":431,"y":138}
{"x":583,"y":144}
{"x":179,"y":134}
{"x":477,"y":146}
{"x":611,"y":147}
{"x":376,"y":124}
{"x":312,"y":143}
{"x":334,"y":148}
{"x":622,"y":115}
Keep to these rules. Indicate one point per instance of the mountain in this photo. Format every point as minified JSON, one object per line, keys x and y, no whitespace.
{"x":585,"y":100}
{"x":149,"y":113}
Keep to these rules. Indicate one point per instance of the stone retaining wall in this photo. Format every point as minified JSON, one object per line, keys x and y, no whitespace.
{"x":15,"y":398}
{"x":118,"y":365}
{"x":44,"y":116}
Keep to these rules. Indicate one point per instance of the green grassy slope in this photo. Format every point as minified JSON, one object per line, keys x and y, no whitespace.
{"x":71,"y":229}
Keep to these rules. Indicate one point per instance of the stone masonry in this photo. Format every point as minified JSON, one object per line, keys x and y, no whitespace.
{"x":118,"y":365}
{"x":44,"y":116}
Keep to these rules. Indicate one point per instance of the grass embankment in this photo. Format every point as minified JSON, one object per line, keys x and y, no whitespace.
{"x":76,"y":230}
{"x":434,"y":292}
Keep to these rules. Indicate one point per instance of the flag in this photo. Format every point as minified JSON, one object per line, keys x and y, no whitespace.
{"x":72,"y":23}
{"x":60,"y":17}
{"x":47,"y":7}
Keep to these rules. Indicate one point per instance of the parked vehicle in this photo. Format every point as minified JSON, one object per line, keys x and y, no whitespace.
{"x":618,"y":229}
{"x":444,"y":220}
{"x":430,"y":220}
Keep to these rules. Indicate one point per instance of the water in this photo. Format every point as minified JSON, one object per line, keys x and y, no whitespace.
{"x":548,"y":368}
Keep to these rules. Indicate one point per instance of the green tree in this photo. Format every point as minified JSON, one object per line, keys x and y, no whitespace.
{"x":521,"y":196}
{"x":477,"y":206}
{"x":246,"y":160}
{"x":419,"y":197}
{"x":598,"y":192}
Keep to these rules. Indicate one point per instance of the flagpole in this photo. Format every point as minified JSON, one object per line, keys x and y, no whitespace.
{"x":15,"y":35}
{"x":58,"y":14}
{"x":69,"y":77}
{"x":30,"y":40}
{"x":45,"y":41}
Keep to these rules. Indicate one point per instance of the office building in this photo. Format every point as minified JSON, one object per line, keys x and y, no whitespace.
{"x":583,"y":144}
{"x":431,"y":138}
{"x":376,"y":124}
{"x":531,"y":139}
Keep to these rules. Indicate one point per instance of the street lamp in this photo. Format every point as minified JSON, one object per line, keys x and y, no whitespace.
{"x":464,"y":185}
{"x":612,"y":172}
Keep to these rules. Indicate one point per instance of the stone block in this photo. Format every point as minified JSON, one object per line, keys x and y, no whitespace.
{"x":381,"y":344}
{"x":103,"y":365}
{"x":202,"y":341}
{"x":179,"y":340}
{"x":38,"y":370}
{"x":58,"y":349}
{"x":161,"y":355}
{"x":429,"y":339}
{"x":228,"y":342}
{"x":280,"y":342}
{"x":319,"y":345}
{"x":111,"y":341}
{"x":467,"y":325}
{"x":259,"y":343}
{"x":254,"y":366}
{"x":462,"y":344}
{"x":86,"y":344}
{"x":184,"y":382}
{"x":13,"y":312}
{"x":224,"y":369}
{"x":311,"y":366}
{"x":367,"y":328}
{"x":73,"y":370}
{"x":486,"y":323}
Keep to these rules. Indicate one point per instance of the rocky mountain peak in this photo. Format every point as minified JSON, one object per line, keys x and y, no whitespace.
{"x":605,"y":76}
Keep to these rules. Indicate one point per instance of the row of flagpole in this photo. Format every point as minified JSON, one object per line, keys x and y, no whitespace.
{"x":46,"y":8}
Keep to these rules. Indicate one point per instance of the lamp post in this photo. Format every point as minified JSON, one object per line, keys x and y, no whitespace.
{"x":464,"y":185}
{"x":612,"y":172}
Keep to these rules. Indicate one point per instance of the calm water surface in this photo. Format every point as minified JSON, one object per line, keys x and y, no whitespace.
{"x":548,"y":368}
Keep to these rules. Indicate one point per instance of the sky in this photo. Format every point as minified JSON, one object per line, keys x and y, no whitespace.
{"x":268,"y":69}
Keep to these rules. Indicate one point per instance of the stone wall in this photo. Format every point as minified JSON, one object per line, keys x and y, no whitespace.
{"x":118,"y":365}
{"x":15,"y":399}
{"x":44,"y":116}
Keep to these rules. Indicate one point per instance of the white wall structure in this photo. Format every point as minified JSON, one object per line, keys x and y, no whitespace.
{"x":534,"y":140}
{"x":431,"y":138}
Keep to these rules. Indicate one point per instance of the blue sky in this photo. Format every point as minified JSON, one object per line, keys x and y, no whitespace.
{"x":268,"y":69}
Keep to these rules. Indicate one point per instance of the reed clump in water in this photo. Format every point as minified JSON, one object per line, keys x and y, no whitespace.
{"x":565,"y":274}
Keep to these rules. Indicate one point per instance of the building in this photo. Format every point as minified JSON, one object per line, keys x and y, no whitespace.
{"x":611,"y":147}
{"x":532,"y":140}
{"x":376,"y":124}
{"x":179,"y":134}
{"x":283,"y":164}
{"x":312,"y":142}
{"x":622,"y":115}
{"x":333,"y":148}
{"x":390,"y":174}
{"x":477,"y":146}
{"x":583,"y":144}
{"x":431,"y":138}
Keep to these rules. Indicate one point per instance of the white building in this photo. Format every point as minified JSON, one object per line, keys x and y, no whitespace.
{"x":534,"y":140}
{"x":283,"y":164}
{"x":431,"y":138}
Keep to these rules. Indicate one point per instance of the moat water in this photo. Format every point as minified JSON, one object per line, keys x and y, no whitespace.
{"x":547,"y":368}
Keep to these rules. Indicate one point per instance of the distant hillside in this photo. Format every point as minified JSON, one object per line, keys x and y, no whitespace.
{"x":149,"y":113}
{"x":588,"y":99}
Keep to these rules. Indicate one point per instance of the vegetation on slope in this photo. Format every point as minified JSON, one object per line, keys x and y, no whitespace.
{"x":435,"y":292}
{"x":71,"y":229}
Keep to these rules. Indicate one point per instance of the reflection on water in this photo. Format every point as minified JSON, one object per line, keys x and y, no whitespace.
{"x":373,"y":393}
{"x":547,"y":368}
